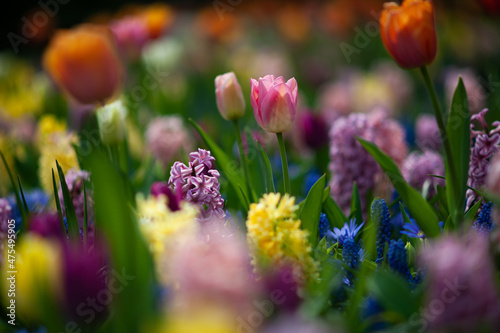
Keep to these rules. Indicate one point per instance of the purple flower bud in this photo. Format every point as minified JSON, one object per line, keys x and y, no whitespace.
{"x":282,"y":282}
{"x":162,"y":188}
{"x":46,"y":225}
{"x":313,"y":129}
{"x":84,"y":276}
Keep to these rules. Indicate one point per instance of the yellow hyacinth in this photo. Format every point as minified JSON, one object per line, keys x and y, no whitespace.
{"x":22,"y":90}
{"x":38,"y":274}
{"x":49,"y":124}
{"x":164,"y":229}
{"x":274,"y":233}
{"x":57,"y":146}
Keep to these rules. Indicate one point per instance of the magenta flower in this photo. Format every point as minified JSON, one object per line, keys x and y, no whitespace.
{"x":229,"y":96}
{"x":131,"y":34}
{"x":274,"y":102}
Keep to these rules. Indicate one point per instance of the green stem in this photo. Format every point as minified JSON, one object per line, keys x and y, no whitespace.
{"x":244,"y":160}
{"x":284,"y":163}
{"x":440,"y":121}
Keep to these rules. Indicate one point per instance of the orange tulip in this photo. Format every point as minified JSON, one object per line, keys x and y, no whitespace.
{"x":84,"y":63}
{"x":408,"y":32}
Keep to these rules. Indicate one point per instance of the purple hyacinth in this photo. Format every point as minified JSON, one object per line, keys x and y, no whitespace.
{"x":418,"y":167}
{"x":199,"y":183}
{"x":484,"y":143}
{"x":349,"y":161}
{"x":462,"y":292}
{"x":75,"y":180}
{"x":427,"y":132}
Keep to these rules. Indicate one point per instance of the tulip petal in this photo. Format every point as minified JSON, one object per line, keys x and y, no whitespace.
{"x":254,"y":99}
{"x":278,"y":111}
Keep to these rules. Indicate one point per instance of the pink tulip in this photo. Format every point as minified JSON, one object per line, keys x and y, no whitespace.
{"x":274,"y":103}
{"x":229,"y":96}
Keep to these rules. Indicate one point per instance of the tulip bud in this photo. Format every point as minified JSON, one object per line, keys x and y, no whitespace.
{"x":111,"y":119}
{"x":274,"y":103}
{"x":229,"y":96}
{"x":84,"y":63}
{"x":408,"y":32}
{"x":412,"y":254}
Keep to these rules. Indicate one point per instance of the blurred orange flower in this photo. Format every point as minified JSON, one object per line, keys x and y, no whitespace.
{"x":409,"y":33}
{"x":158,"y":17}
{"x":84,"y":63}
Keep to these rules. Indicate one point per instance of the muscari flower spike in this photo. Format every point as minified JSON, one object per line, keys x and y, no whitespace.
{"x":324,"y":228}
{"x":484,"y":223}
{"x":380,"y":215}
{"x":351,"y":256}
{"x":398,"y":258}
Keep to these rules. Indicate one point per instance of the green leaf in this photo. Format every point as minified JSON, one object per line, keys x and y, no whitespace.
{"x":85,"y":215}
{"x":71,"y":220}
{"x":458,"y":132}
{"x":356,"y":210}
{"x":225,"y":163}
{"x":406,"y":218}
{"x":16,"y":194}
{"x":470,"y":215}
{"x":58,"y":204}
{"x":326,"y":194}
{"x":335,"y":215}
{"x":25,"y":205}
{"x":393,"y":292}
{"x":246,"y":206}
{"x":129,"y":252}
{"x":419,"y":208}
{"x":268,"y":170}
{"x":309,"y":215}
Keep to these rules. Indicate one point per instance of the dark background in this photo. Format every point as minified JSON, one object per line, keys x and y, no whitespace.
{"x":69,"y":14}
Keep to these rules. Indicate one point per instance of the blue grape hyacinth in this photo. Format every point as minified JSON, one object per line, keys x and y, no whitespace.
{"x":484,"y":223}
{"x":398,"y":258}
{"x":380,"y":216}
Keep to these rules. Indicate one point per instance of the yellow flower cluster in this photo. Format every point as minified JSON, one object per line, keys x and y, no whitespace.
{"x":21,"y":90}
{"x":6,"y":149}
{"x":57,"y":146}
{"x":48,"y":125}
{"x":164,"y":229}
{"x":38,"y":271}
{"x":274,"y":234}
